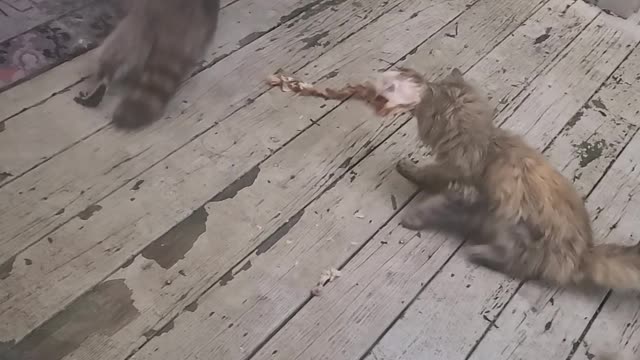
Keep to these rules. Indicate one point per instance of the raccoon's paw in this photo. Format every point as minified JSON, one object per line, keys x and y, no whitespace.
{"x":133,"y":114}
{"x":91,"y":99}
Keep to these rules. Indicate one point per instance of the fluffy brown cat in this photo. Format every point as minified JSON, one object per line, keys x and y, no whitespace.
{"x":150,"y":52}
{"x":527,"y":220}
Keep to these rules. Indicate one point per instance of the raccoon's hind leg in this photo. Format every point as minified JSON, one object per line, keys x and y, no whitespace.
{"x":431,"y":177}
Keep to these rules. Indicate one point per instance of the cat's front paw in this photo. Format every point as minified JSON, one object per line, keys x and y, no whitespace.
{"x":406,"y":168}
{"x":412,"y":221}
{"x":419,"y":216}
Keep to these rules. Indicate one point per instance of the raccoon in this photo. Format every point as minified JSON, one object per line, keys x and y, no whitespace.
{"x":149,"y":53}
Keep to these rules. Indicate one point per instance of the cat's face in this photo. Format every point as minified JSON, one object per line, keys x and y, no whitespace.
{"x":437,"y":98}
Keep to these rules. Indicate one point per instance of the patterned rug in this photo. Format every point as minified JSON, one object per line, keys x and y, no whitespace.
{"x":36,"y":35}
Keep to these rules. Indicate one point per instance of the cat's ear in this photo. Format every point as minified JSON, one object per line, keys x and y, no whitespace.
{"x":455,"y":75}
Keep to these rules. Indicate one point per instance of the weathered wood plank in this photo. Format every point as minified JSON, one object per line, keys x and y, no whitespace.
{"x":614,"y":331}
{"x":612,"y":204}
{"x":594,"y":148}
{"x":62,"y":189}
{"x":248,"y":308}
{"x":621,"y":93}
{"x":51,"y":118}
{"x":492,"y":290}
{"x":615,"y":328}
{"x":549,"y":114}
{"x":99,"y":244}
{"x":27,"y":94}
{"x":225,"y":3}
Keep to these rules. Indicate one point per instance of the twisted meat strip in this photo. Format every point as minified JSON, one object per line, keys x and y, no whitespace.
{"x":366,"y":92}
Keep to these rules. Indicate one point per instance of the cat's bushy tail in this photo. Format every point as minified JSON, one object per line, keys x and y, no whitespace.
{"x":612,"y":266}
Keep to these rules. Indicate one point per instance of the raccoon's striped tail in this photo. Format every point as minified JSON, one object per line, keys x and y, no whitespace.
{"x":149,"y":92}
{"x":612,"y":266}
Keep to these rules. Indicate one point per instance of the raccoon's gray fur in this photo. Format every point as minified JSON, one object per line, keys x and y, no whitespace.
{"x":149,"y":53}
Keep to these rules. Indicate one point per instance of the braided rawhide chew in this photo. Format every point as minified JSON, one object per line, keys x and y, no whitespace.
{"x":366,"y":92}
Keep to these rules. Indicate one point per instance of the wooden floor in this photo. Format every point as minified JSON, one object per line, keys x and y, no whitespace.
{"x":202,"y":236}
